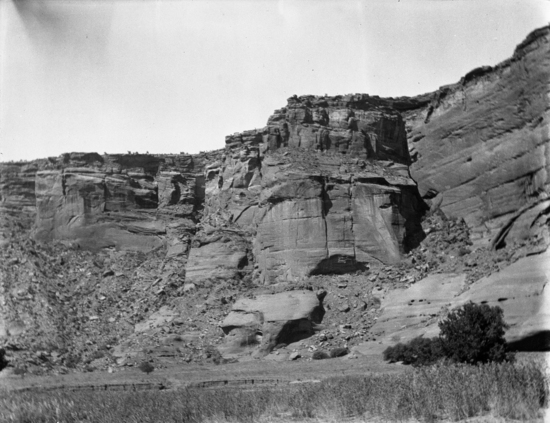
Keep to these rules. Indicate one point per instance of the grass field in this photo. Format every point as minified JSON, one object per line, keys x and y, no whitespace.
{"x":437,"y":393}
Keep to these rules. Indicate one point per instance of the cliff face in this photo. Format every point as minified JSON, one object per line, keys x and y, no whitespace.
{"x":311,"y":213}
{"x":126,"y":201}
{"x":331,"y":185}
{"x":324,"y":188}
{"x":481,"y":147}
{"x":479,"y":150}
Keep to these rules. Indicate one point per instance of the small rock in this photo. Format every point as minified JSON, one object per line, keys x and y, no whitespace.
{"x":344,"y":308}
{"x":108,"y":273}
{"x":189,"y":287}
{"x":294,"y":356}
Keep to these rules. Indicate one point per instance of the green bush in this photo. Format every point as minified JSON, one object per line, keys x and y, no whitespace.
{"x":320,"y":355}
{"x":473,"y":333}
{"x":338,"y":352}
{"x":146,"y":367}
{"x":418,"y":352}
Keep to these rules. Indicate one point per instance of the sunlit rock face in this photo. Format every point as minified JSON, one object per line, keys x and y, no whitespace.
{"x":481,"y":147}
{"x":248,"y":211}
{"x":355,"y":124}
{"x":333,"y":220}
{"x":122,"y":201}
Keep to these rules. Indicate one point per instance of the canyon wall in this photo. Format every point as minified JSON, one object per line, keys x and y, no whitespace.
{"x":481,"y":147}
{"x":329,"y":185}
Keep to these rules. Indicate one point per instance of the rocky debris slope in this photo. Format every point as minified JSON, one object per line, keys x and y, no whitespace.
{"x":65,"y":308}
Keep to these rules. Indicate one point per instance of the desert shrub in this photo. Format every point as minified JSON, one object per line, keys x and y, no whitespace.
{"x":71,"y":361}
{"x":320,"y":355}
{"x":19,"y":371}
{"x":146,"y":367}
{"x":96,"y":355}
{"x":338,"y":352}
{"x":212,"y":354}
{"x":418,"y":352}
{"x":474,"y":333}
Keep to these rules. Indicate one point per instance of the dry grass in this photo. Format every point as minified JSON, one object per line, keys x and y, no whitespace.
{"x":499,"y":391}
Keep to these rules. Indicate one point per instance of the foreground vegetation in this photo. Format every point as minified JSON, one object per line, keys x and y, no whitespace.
{"x":505,"y":390}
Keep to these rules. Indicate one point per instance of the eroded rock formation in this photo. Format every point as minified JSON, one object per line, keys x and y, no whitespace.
{"x":331,"y":185}
{"x":481,"y":147}
{"x":288,"y":204}
{"x":269,"y":320}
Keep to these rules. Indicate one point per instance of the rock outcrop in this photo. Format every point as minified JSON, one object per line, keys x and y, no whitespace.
{"x":324,"y":188}
{"x":320,"y":220}
{"x":355,"y":124}
{"x":269,"y":320}
{"x":125,"y":201}
{"x":481,"y":147}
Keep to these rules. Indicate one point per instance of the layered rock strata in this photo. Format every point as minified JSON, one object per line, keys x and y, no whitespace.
{"x":355,"y":124}
{"x":323,"y":188}
{"x":481,"y":147}
{"x":308,"y":213}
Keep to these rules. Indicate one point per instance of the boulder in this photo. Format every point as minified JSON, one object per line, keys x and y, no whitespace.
{"x":268,"y":320}
{"x":414,"y":311}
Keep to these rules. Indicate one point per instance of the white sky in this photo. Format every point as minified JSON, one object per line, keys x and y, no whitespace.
{"x":169,"y":76}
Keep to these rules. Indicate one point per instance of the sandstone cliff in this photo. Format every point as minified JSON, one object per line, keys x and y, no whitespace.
{"x":324,"y":188}
{"x":481,"y":147}
{"x":336,"y":186}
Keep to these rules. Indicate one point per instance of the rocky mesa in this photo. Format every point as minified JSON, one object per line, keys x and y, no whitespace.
{"x":340,"y":206}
